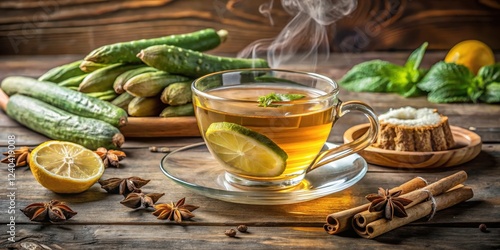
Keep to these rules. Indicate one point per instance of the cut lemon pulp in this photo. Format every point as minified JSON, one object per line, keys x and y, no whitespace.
{"x":246,"y":151}
{"x":65,"y":167}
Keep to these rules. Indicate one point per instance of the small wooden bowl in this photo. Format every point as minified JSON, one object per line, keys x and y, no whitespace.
{"x":468,"y":146}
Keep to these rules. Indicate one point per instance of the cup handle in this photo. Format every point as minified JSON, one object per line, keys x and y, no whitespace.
{"x":354,"y":146}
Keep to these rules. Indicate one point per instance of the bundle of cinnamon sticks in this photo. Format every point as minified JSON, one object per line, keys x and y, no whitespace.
{"x":426,"y":200}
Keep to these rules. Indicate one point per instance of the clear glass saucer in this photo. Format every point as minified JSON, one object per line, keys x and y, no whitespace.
{"x":194,"y":168}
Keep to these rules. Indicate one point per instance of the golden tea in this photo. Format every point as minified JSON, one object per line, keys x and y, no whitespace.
{"x":267,"y":127}
{"x":298,"y":127}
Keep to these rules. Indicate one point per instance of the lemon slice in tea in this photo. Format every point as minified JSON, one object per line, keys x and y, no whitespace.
{"x":248,"y":152}
{"x":65,"y":167}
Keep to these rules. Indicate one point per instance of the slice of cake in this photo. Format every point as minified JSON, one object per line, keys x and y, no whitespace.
{"x":410,"y":129}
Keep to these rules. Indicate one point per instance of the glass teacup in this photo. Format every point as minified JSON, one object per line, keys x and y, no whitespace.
{"x":284,"y":110}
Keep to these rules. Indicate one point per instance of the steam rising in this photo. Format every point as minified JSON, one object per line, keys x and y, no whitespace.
{"x":305,"y":37}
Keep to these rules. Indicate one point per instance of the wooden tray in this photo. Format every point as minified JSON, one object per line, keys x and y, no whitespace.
{"x":468,"y":146}
{"x":161,"y":127}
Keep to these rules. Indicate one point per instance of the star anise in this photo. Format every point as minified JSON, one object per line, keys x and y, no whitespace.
{"x":390,"y":204}
{"x":54,"y":212}
{"x":111,"y":157}
{"x":177,"y":212}
{"x":139,"y":200}
{"x":123,"y":186}
{"x":20,"y":157}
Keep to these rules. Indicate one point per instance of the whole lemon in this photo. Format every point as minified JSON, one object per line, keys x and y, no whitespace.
{"x":473,"y":54}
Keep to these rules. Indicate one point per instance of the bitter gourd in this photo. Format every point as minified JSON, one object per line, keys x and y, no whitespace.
{"x":58,"y":124}
{"x":126,"y":52}
{"x":69,"y":100}
{"x":191,"y":63}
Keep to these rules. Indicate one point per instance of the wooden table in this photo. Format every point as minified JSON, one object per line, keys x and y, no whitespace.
{"x":103,"y":223}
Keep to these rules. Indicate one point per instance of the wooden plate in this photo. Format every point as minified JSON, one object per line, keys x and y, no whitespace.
{"x":468,"y":146}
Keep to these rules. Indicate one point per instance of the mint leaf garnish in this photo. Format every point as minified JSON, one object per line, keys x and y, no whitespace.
{"x":267,"y":100}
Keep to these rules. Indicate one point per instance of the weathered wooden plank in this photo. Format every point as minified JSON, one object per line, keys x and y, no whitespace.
{"x":118,"y":236}
{"x":68,"y":27}
{"x":483,"y":117}
{"x":96,"y":206}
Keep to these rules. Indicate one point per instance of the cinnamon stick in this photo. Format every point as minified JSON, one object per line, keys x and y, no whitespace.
{"x":416,"y":212}
{"x":363,"y":218}
{"x":341,"y":221}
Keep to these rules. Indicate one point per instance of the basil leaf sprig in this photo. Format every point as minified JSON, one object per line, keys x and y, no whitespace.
{"x":450,"y":82}
{"x":383,"y":76}
{"x":267,"y":100}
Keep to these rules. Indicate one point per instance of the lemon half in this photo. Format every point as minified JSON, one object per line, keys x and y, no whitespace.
{"x":65,"y":167}
{"x":245,"y":151}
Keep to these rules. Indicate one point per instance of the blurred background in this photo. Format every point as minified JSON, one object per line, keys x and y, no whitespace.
{"x":51,"y":27}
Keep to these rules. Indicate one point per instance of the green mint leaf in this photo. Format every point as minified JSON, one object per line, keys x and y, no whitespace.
{"x":415,"y":58}
{"x":442,"y":74}
{"x":449,"y":93}
{"x":369,"y":76}
{"x":489,"y":74}
{"x":382,"y":76}
{"x":400,"y":80}
{"x":267,"y":100}
{"x":450,"y":82}
{"x":413,"y":92}
{"x":491,"y":93}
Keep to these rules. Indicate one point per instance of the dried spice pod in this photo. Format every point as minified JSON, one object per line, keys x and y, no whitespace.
{"x":139,"y":200}
{"x":122,"y":186}
{"x":111,"y":157}
{"x":390,"y":204}
{"x":231,"y":232}
{"x":54,"y":212}
{"x":19,"y":157}
{"x":242,"y":228}
{"x":178,"y":211}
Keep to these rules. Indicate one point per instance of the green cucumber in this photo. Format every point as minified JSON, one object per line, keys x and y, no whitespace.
{"x":74,"y":81}
{"x":63,"y":72}
{"x":103,"y":79}
{"x":88,"y":66}
{"x":124,"y":77}
{"x":145,"y":106}
{"x":151,"y":83}
{"x":191,"y":63}
{"x":123,"y":100}
{"x":66,"y":99}
{"x":107,"y":95}
{"x":58,"y":124}
{"x":179,"y":110}
{"x":126,"y":52}
{"x":177,"y":93}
